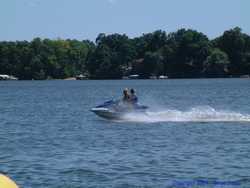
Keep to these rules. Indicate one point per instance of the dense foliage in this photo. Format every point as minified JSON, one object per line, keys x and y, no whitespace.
{"x":181,"y":54}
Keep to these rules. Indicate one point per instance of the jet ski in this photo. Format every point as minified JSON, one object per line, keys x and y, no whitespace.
{"x":117,"y":110}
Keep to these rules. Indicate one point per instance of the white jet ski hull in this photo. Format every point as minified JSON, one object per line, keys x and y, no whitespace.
{"x":107,"y":114}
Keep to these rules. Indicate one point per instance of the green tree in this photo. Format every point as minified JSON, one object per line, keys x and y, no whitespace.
{"x":236,"y":45}
{"x":152,"y":65}
{"x":189,"y":49}
{"x":216,"y":64}
{"x":150,"y":42}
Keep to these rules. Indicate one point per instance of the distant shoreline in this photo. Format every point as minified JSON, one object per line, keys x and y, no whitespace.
{"x":132,"y":79}
{"x":186,"y":53}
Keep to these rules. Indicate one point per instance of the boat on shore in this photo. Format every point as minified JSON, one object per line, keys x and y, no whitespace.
{"x":7,"y":77}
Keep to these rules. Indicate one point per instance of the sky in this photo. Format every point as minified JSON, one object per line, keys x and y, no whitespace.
{"x":85,"y":19}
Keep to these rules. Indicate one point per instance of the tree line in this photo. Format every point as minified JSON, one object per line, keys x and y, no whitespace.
{"x":185,"y":53}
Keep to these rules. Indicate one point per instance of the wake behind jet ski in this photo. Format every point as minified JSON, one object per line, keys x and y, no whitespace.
{"x":118,"y":109}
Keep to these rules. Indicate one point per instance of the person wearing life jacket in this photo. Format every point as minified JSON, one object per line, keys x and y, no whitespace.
{"x":132,"y":97}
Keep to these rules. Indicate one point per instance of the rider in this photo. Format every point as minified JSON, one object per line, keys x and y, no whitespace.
{"x":126,"y":96}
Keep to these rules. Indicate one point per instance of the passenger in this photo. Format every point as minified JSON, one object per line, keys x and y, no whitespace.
{"x":133,"y":98}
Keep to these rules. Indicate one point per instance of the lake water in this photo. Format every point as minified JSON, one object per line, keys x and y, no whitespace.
{"x":195,"y":130}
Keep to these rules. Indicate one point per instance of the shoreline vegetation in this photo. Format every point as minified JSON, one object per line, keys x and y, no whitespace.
{"x":185,"y":53}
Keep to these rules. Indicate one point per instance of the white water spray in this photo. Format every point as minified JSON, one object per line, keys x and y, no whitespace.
{"x":195,"y":114}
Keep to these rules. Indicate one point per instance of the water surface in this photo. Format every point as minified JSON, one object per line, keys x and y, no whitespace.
{"x":195,"y":130}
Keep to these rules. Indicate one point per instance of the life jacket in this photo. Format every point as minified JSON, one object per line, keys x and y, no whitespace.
{"x":133,"y":98}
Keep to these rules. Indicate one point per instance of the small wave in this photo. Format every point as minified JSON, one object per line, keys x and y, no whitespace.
{"x":195,"y":114}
